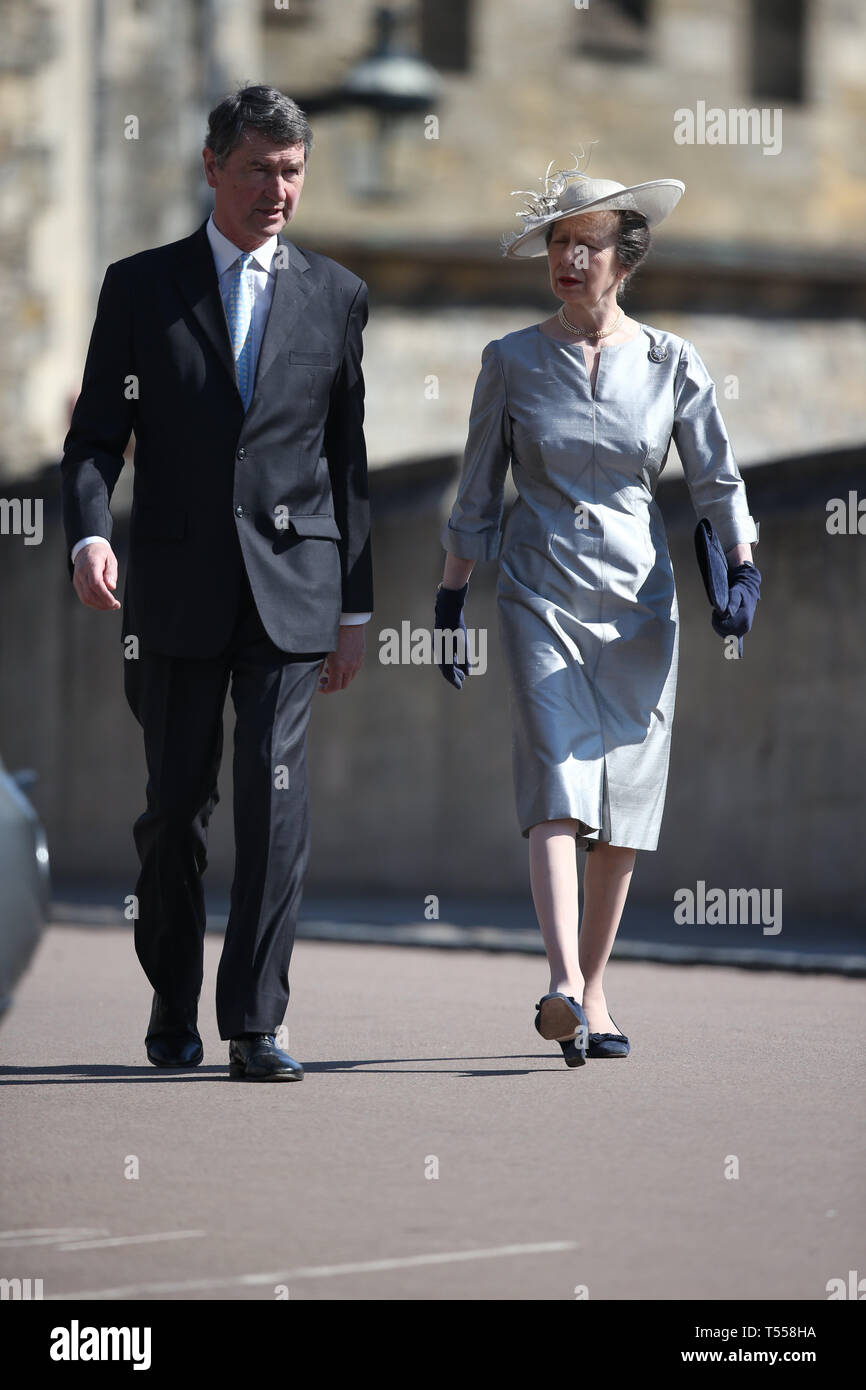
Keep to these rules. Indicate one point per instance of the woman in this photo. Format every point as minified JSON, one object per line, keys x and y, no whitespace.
{"x":584,"y":406}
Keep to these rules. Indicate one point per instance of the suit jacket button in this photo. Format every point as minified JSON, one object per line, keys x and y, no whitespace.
{"x":239,"y":511}
{"x":242,"y":453}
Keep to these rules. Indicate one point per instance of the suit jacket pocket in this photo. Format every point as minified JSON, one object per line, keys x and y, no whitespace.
{"x":322,"y":525}
{"x":310,"y":359}
{"x":154,"y":523}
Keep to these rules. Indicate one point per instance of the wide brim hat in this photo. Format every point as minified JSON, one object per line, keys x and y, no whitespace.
{"x":569,"y":193}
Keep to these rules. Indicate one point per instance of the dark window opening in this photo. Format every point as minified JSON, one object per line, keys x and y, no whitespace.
{"x":444,"y":28}
{"x":615,"y":31}
{"x":778,"y":50}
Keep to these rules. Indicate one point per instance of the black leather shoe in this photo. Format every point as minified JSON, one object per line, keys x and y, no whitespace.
{"x":256,"y":1057}
{"x":559,"y":1018}
{"x":608,"y":1044}
{"x":172,"y":1036}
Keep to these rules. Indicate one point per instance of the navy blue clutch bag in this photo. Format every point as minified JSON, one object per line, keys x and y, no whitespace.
{"x":733,"y":591}
{"x":712,"y":564}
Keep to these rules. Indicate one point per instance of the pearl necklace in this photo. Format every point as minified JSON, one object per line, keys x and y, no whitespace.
{"x":584,"y":332}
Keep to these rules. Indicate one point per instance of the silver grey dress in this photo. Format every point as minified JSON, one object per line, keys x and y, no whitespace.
{"x":586,"y":598}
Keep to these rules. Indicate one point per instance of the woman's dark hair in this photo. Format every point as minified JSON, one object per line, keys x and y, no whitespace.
{"x":263,"y":109}
{"x":633,"y":241}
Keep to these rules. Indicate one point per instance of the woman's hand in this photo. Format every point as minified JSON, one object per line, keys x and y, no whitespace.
{"x":449,"y":618}
{"x":744,"y":584}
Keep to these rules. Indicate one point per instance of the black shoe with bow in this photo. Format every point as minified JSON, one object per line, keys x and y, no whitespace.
{"x":172,"y":1038}
{"x":256,"y":1057}
{"x":608,"y":1044}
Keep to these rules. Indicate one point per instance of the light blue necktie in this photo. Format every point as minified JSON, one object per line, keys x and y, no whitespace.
{"x":240,"y":318}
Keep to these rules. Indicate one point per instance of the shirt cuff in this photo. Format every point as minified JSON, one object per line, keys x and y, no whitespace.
{"x":354,"y":619}
{"x":79,"y":545}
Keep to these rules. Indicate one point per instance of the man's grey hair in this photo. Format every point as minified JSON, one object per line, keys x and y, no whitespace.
{"x":263,"y":109}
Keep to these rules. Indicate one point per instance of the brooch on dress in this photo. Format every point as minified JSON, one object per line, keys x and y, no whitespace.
{"x":657,"y":353}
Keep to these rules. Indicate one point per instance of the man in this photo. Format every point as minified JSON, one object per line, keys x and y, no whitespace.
{"x":235,"y":357}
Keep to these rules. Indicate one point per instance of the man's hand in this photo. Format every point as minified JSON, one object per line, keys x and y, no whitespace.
{"x":95,"y":575}
{"x":341,"y":667}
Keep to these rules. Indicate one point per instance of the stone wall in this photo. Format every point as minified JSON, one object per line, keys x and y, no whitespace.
{"x":539,"y":83}
{"x":77,"y":81}
{"x":412,"y":782}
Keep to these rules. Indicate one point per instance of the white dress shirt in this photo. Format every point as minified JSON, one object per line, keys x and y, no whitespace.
{"x":262,"y":279}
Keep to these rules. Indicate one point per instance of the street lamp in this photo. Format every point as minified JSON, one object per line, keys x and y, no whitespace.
{"x":387,"y":91}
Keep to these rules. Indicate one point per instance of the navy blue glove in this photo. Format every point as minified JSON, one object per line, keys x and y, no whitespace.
{"x":744,"y":590}
{"x":449,"y":618}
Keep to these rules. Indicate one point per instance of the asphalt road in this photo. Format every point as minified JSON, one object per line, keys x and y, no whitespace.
{"x":437,"y":1147}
